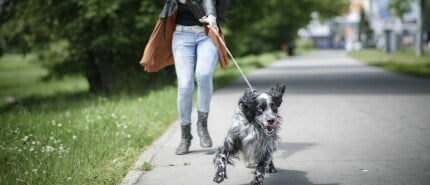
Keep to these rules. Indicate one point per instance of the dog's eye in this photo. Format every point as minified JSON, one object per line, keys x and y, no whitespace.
{"x":273,"y":107}
{"x":260,"y":109}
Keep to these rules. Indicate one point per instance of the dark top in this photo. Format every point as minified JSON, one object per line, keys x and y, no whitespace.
{"x":185,"y":17}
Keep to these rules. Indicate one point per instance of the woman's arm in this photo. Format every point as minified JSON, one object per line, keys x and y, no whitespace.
{"x":209,"y":6}
{"x":210,"y":18}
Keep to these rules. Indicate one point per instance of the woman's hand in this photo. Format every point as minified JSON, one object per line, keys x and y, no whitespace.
{"x":211,"y":21}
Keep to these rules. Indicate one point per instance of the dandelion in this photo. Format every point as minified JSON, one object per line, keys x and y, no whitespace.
{"x":48,"y":149}
{"x":61,"y":150}
{"x":139,"y":99}
{"x":74,"y":137}
{"x":25,"y":139}
{"x":59,"y":125}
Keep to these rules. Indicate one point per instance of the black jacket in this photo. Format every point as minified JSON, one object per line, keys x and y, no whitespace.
{"x":199,"y":8}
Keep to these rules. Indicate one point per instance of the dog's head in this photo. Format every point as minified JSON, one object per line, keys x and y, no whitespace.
{"x":262,"y":108}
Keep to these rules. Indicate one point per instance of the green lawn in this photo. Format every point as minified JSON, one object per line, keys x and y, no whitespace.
{"x":55,"y":132}
{"x":403,"y":61}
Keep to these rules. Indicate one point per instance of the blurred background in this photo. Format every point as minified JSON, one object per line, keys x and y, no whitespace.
{"x":385,"y":24}
{"x":76,"y":106}
{"x":102,"y":41}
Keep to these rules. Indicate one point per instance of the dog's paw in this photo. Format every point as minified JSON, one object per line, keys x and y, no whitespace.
{"x":220,"y":175}
{"x":271,"y":170}
{"x":256,"y":182}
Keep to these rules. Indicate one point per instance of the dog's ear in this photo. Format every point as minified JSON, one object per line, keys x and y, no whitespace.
{"x":248,"y":98}
{"x":248,"y":104}
{"x":277,"y":92}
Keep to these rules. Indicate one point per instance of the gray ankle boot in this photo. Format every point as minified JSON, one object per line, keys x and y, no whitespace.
{"x":185,"y":143}
{"x":202,"y":129}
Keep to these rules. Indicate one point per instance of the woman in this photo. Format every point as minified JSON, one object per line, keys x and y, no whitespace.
{"x":186,"y":36}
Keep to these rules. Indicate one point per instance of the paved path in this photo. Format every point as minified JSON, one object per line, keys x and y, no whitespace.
{"x":345,"y":123}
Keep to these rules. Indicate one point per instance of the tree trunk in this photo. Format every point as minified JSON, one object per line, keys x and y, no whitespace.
{"x":419,"y":50}
{"x":105,"y":69}
{"x":99,"y":74}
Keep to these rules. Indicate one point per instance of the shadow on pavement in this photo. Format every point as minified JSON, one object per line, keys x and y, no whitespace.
{"x":341,"y":79}
{"x":290,"y":177}
{"x":207,"y":151}
{"x":288,"y":149}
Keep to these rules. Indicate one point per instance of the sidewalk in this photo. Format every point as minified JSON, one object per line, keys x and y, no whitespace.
{"x":345,"y":123}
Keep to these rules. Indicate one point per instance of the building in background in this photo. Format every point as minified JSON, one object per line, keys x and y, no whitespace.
{"x":389,"y":32}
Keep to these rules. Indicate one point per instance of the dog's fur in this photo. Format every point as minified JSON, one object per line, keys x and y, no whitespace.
{"x":253,"y":133}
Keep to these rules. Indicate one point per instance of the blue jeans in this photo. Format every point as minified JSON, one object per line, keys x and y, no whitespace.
{"x":194,"y":54}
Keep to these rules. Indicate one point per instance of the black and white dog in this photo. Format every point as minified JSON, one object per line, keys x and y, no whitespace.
{"x":253,"y":133}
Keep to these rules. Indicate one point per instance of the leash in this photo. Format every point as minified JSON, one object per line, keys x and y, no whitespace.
{"x":234,"y":60}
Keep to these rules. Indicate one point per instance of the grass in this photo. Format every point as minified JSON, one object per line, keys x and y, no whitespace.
{"x":21,"y":77}
{"x":403,"y":61}
{"x":54,"y":132}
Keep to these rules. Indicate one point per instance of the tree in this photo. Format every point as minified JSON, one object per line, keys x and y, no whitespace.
{"x":364,"y":30}
{"x":400,"y":7}
{"x":99,"y":39}
{"x":103,"y":40}
{"x":256,"y":27}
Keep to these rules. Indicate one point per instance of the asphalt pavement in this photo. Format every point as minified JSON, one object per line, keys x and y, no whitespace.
{"x":344,"y":123}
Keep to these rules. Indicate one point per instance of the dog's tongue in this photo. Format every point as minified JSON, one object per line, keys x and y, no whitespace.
{"x":274,"y":125}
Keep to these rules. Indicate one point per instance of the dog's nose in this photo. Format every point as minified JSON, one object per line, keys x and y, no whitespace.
{"x":271,"y":121}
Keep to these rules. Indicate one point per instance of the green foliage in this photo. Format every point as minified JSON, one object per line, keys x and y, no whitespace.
{"x":400,"y":7}
{"x":21,"y":77}
{"x":146,"y":166}
{"x":56,"y":133}
{"x":256,"y":26}
{"x":426,"y":14}
{"x":364,"y":30}
{"x":105,"y":39}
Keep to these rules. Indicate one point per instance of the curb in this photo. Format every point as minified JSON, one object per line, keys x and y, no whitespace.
{"x":134,"y":174}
